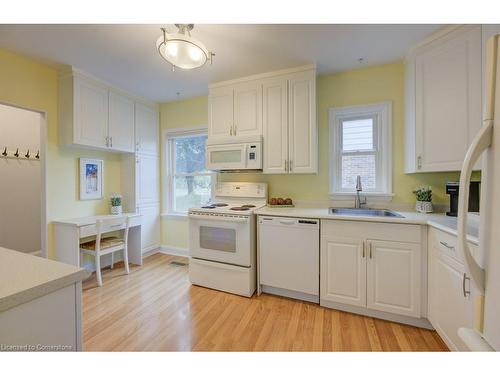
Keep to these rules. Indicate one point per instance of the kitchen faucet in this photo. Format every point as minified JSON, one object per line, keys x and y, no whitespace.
{"x":357,"y":201}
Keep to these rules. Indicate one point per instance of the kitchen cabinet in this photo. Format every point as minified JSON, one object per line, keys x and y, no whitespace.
{"x":343,"y":270}
{"x":147,"y":135}
{"x":235,"y":110}
{"x":147,"y":179}
{"x":375,"y":266}
{"x":443,"y":99}
{"x":94,"y":115}
{"x":90,"y":114}
{"x":289,"y":123}
{"x":451,"y":292}
{"x":150,"y":227}
{"x":121,"y":123}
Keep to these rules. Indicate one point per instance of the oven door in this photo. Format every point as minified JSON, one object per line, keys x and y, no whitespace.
{"x":226,"y":157}
{"x":221,"y":238}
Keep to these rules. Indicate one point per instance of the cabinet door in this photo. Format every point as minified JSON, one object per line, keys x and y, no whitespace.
{"x":121,"y":122}
{"x":147,"y":179}
{"x":248,"y":109}
{"x":90,"y":114}
{"x":150,"y":227}
{"x":447,"y":99}
{"x":220,"y":111}
{"x":303,"y":142}
{"x":393,"y":277}
{"x":275,"y":125}
{"x":343,"y":271}
{"x":449,"y":309}
{"x":146,"y":130}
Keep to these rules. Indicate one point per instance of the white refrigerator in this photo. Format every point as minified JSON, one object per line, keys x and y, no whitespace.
{"x":485,"y":272}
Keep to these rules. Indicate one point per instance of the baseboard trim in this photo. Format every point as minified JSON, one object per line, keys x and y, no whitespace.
{"x":173,"y":250}
{"x":151,"y":251}
{"x":417,"y":322}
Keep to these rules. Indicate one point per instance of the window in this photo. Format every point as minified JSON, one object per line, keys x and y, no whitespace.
{"x":360,"y":145}
{"x":189,"y":184}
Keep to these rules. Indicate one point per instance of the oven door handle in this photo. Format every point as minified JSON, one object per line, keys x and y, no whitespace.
{"x":232,"y":219}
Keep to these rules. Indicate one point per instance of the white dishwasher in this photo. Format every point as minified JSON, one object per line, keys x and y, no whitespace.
{"x":289,"y":257}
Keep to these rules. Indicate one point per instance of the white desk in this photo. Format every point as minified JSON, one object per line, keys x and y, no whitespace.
{"x":69,"y":232}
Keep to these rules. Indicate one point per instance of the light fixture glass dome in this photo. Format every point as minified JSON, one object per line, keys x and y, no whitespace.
{"x":181,"y":50}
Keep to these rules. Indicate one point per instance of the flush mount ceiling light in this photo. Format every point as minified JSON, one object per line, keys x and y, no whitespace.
{"x":182,"y":50}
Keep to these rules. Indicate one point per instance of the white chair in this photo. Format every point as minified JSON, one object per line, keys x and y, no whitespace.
{"x":107,"y":245}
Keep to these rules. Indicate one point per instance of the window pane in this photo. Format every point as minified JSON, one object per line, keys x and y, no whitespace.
{"x":362,"y":165}
{"x":191,"y":191}
{"x":357,"y":135}
{"x":190,"y":154}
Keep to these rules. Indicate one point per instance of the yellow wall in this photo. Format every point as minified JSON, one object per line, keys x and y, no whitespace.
{"x":361,"y":86}
{"x":28,"y":83}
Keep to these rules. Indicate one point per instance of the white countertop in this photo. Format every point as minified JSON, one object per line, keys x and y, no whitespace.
{"x":25,"y":277}
{"x":439,"y":221}
{"x":89,"y":220}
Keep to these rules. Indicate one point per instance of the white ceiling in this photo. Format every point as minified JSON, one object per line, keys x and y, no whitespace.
{"x":126,"y":56}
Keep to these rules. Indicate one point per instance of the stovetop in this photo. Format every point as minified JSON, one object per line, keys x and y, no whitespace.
{"x":230,"y":206}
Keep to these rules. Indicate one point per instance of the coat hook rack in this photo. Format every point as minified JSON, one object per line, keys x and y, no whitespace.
{"x":4,"y":153}
{"x":16,"y":154}
{"x":37,"y":156}
{"x":27,"y":155}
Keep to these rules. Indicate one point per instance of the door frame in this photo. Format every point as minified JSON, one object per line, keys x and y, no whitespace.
{"x":43,"y":169}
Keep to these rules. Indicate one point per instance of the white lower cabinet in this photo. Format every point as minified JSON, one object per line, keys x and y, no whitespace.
{"x":372,"y":266}
{"x":150,"y":227}
{"x":451,"y":295}
{"x":343,"y":270}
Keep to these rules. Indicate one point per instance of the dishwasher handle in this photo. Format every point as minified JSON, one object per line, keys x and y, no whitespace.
{"x":288,"y":221}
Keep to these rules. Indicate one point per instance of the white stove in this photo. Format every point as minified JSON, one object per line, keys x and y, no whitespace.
{"x":222,"y":243}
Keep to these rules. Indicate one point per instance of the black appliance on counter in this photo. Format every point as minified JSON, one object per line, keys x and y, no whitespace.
{"x":452,"y":189}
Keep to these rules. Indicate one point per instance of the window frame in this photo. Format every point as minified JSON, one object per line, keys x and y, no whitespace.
{"x":382,"y":130}
{"x":169,"y":137}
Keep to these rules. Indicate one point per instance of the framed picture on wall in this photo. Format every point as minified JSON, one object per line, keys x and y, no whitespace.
{"x":91,"y":176}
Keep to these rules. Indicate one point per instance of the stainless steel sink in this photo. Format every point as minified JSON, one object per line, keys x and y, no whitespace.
{"x":363,"y":212}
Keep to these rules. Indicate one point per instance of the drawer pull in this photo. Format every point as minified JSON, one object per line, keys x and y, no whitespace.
{"x":363,"y":249}
{"x":466,"y":292}
{"x":447,"y":246}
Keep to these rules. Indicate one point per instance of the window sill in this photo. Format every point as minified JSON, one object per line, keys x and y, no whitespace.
{"x":174,"y":215}
{"x":373,"y":196}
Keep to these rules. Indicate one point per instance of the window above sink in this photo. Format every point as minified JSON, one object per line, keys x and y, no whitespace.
{"x":361,"y":144}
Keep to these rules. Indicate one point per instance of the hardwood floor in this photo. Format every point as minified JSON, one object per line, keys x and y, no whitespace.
{"x":155,"y":308}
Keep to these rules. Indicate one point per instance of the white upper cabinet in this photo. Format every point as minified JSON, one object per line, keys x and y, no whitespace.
{"x":289,"y":123}
{"x":302,"y":137}
{"x":275,"y":124}
{"x":235,"y":109}
{"x":220,"y":112}
{"x":248,"y":108}
{"x":95,"y":115}
{"x":90,"y":114}
{"x":443,"y":99}
{"x":121,"y":123}
{"x":147,"y":130}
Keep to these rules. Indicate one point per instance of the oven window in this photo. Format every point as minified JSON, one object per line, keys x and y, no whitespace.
{"x":222,"y":239}
{"x":228,"y":156}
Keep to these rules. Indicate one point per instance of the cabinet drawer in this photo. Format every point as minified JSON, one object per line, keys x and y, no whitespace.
{"x":447,"y":244}
{"x":373,"y":231}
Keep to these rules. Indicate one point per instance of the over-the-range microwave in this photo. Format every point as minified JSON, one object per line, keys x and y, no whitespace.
{"x":234,"y":153}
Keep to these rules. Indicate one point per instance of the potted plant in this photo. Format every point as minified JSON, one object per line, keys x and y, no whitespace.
{"x":116,"y":204}
{"x":424,"y":199}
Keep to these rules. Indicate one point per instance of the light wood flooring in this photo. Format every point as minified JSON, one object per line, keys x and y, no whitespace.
{"x":155,"y":308}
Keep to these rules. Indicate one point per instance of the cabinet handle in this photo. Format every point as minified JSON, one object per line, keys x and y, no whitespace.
{"x":111,"y":141}
{"x":290,"y":165}
{"x":419,"y":162}
{"x":231,"y":130}
{"x":466,"y":292}
{"x":363,"y":249}
{"x":370,"y":245}
{"x":447,"y":246}
{"x":235,"y":127}
{"x":107,"y":141}
{"x":286,"y":165}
